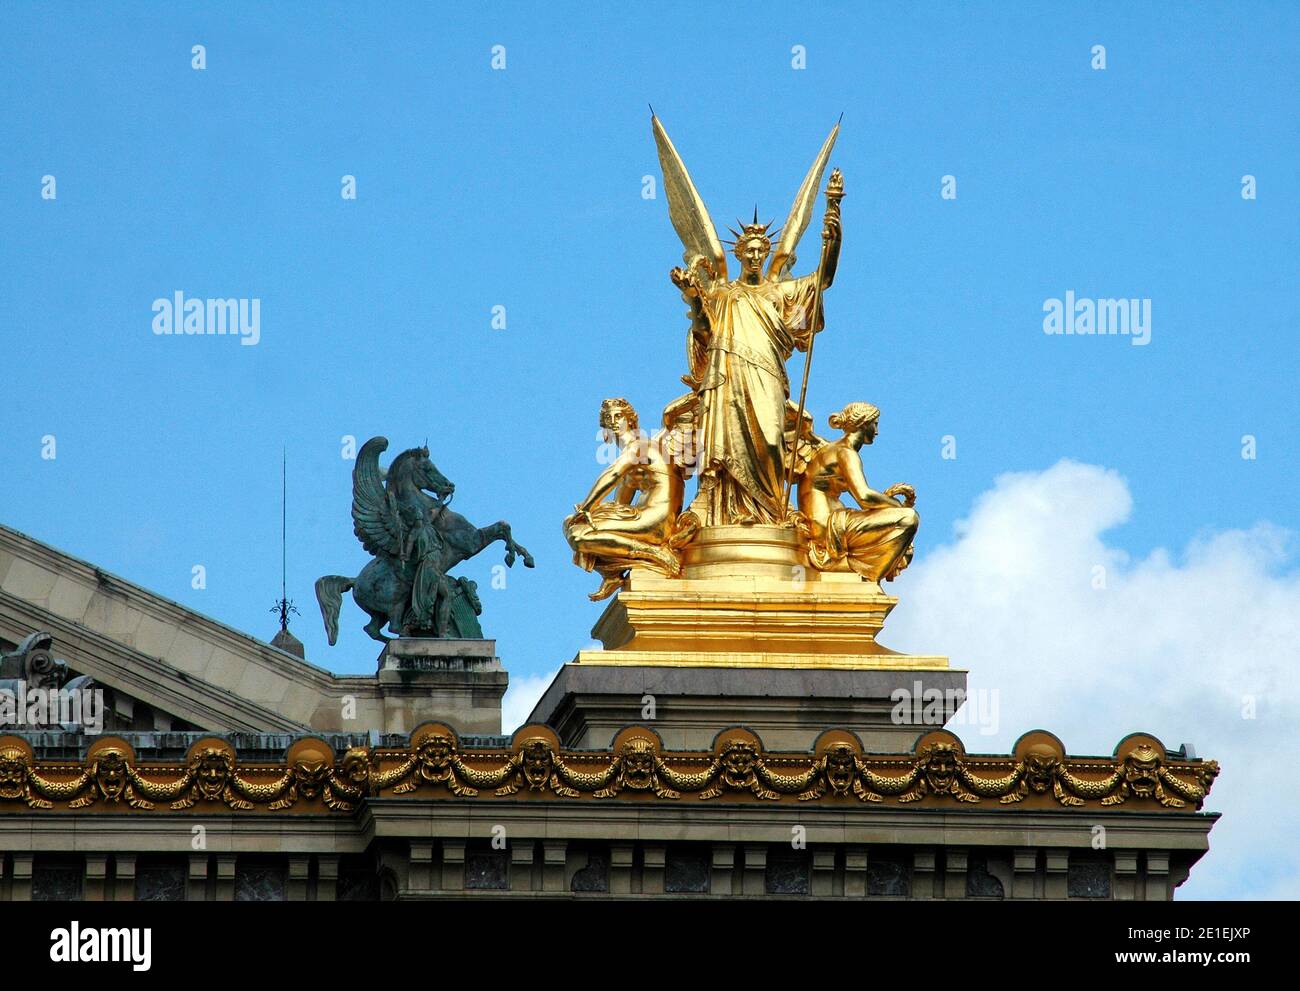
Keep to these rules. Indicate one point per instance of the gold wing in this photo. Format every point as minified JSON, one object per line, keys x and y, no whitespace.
{"x":803,"y":442}
{"x":783,"y":259}
{"x":687,"y":211}
{"x":678,"y":439}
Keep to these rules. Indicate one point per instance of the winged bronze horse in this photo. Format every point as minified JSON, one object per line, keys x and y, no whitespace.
{"x":401,"y":516}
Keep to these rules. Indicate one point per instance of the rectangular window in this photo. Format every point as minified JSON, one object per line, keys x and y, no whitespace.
{"x":57,"y":879}
{"x":260,"y":879}
{"x":160,"y":880}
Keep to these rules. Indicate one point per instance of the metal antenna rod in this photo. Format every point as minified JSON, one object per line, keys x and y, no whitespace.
{"x":284,"y":501}
{"x":284,"y":607}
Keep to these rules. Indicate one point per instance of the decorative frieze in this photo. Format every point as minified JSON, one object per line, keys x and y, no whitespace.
{"x":313,"y":778}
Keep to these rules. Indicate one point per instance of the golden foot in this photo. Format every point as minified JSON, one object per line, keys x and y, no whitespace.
{"x":608,"y":587}
{"x":670,"y":562}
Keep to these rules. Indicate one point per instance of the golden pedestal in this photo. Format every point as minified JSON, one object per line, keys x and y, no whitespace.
{"x":750,"y":635}
{"x":748,"y":598}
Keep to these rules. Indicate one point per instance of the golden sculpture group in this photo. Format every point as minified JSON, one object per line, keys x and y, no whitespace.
{"x":737,"y":431}
{"x":312,"y":778}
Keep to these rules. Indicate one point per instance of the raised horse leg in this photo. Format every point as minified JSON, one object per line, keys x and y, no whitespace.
{"x":501,"y":531}
{"x":376,"y":627}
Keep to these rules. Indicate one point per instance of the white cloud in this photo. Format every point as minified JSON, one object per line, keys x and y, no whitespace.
{"x":522,"y":694}
{"x":1172,"y":645}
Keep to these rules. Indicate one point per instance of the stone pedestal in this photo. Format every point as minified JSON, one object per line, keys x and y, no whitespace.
{"x":460,"y":682}
{"x":789,"y":708}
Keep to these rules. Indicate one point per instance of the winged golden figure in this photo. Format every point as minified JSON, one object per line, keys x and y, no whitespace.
{"x":742,"y":333}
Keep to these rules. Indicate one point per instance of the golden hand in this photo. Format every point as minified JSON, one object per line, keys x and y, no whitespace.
{"x":686,"y":281}
{"x":835,"y":185}
{"x":904,"y":491}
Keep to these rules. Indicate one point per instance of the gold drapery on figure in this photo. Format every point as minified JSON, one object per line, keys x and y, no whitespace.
{"x":647,"y":481}
{"x":743,"y":388}
{"x":876,"y":544}
{"x":742,"y":333}
{"x":875,"y":540}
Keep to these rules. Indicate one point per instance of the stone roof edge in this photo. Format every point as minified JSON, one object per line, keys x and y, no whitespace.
{"x":168,"y":609}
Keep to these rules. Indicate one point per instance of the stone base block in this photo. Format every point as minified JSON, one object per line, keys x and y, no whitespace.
{"x":430,"y":654}
{"x":788,"y":708}
{"x":460,"y":682}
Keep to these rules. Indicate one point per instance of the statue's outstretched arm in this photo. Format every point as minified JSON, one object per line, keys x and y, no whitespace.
{"x":692,"y":286}
{"x":831,"y":234}
{"x":850,"y":464}
{"x":606,"y":481}
{"x":831,"y":231}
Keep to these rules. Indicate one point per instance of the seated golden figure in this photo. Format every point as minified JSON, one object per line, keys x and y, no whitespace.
{"x":647,"y":480}
{"x":874,"y":541}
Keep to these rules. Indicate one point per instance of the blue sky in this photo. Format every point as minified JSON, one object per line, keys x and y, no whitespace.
{"x":522,"y":188}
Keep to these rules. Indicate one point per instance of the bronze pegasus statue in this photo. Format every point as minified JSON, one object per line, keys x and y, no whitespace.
{"x":401,"y":517}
